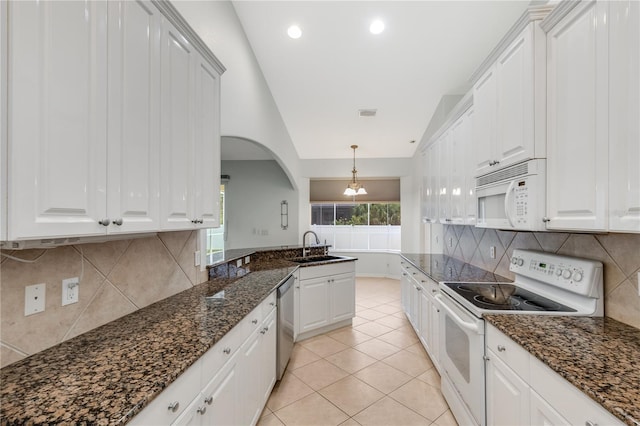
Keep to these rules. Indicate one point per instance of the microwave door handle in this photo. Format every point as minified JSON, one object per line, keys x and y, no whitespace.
{"x":473,"y":327}
{"x":507,"y":203}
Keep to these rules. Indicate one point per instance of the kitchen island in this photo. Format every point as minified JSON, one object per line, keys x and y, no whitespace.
{"x":109,"y":374}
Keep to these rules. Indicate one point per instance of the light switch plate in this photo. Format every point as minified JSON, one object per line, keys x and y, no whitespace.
{"x":34,"y":298}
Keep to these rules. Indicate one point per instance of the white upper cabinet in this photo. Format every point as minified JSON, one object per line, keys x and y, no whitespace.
{"x":577,"y":133}
{"x":462,"y":183}
{"x":469,"y":187}
{"x":88,"y":119}
{"x":57,"y":118}
{"x":178,"y":128}
{"x":207,"y":146}
{"x":624,"y":116}
{"x":509,"y":112}
{"x":3,"y":120}
{"x":484,"y":125}
{"x":133,"y":176}
{"x":444,"y":178}
{"x":190,"y":136}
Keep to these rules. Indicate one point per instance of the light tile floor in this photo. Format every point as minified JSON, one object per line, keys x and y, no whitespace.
{"x":374,"y":372}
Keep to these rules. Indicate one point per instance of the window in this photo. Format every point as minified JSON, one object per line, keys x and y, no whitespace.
{"x":217,"y":236}
{"x":357,"y":226}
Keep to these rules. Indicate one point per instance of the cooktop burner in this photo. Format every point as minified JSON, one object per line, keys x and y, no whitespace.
{"x":506,"y":297}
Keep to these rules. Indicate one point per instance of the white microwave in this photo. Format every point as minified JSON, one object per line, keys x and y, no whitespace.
{"x":513,"y":198}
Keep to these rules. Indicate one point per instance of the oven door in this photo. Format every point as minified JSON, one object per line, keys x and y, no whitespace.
{"x":461,"y":358}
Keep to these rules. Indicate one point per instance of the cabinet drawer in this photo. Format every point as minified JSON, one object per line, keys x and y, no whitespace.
{"x":567,"y":399}
{"x":508,"y":351}
{"x":173,"y":400}
{"x":324,"y":270}
{"x":268,"y":305}
{"x":215,"y":358}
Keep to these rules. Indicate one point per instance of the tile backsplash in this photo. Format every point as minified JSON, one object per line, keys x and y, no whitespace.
{"x":619,"y":253}
{"x":117,"y":278}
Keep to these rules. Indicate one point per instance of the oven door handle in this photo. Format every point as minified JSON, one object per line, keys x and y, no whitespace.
{"x":473,"y":327}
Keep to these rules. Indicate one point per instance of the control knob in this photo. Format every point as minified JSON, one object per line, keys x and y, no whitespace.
{"x":520,"y":261}
{"x":566,"y":274}
{"x":559,"y":272}
{"x":577,"y":276}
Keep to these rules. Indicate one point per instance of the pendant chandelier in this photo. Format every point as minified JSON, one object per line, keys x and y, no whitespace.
{"x":354,"y":187}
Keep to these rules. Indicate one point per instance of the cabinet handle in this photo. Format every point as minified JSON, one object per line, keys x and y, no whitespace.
{"x":501,"y":348}
{"x":546,"y":219}
{"x":297,"y":286}
{"x":590,"y":423}
{"x":227,"y":351}
{"x":404,"y":274}
{"x":173,"y":406}
{"x":118,"y":222}
{"x":434,"y":291}
{"x":255,"y":321}
{"x":264,"y":330}
{"x":419,"y":288}
{"x":197,"y":220}
{"x":105,"y":222}
{"x":209,"y":400}
{"x":202,"y":410}
{"x":486,"y":358}
{"x":272,"y":304}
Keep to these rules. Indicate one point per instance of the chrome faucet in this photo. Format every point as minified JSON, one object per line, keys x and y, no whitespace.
{"x":305,"y":250}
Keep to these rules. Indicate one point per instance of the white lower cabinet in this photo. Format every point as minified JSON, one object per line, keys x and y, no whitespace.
{"x":229,"y":384}
{"x":418,"y":293}
{"x":325,"y":295}
{"x":509,"y":401}
{"x":521,"y":390}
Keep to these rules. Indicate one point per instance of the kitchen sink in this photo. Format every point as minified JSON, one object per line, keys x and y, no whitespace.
{"x":314,"y":259}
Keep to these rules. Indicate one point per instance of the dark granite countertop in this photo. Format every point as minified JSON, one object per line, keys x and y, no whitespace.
{"x":269,"y":252}
{"x":440,"y":267}
{"x":107,"y":375}
{"x":600,"y":356}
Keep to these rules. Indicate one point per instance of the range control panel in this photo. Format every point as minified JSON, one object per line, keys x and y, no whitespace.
{"x":577,"y":275}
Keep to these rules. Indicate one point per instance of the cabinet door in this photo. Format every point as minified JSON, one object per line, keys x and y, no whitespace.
{"x":343,"y":297}
{"x":3,"y":120}
{"x":433,"y":171}
{"x":444,"y":179}
{"x":469,"y":186}
{"x":250,"y":378}
{"x":543,"y":414}
{"x":207,"y":146}
{"x":434,"y":335}
{"x":268,"y":361}
{"x":457,"y":170}
{"x":177,"y":138}
{"x":507,"y":394}
{"x":405,"y":289}
{"x":57,"y":118}
{"x":515,"y":103}
{"x":624,"y":110}
{"x":314,"y":303}
{"x":134,"y":117}
{"x":577,"y":117}
{"x":222,"y":396}
{"x":424,"y":185}
{"x":484,"y":124}
{"x":425,"y":320}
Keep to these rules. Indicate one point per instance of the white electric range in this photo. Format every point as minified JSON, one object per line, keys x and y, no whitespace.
{"x":545,"y":284}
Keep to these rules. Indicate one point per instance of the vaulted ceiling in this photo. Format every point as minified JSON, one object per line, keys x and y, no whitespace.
{"x":319,"y":81}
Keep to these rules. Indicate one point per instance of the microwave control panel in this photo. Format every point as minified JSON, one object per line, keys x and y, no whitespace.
{"x":521,"y":201}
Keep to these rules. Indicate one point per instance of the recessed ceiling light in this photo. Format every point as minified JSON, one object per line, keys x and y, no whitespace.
{"x":376,"y":27}
{"x":294,"y":32}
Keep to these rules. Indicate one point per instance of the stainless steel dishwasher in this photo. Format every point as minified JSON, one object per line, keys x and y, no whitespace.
{"x":285,"y":324}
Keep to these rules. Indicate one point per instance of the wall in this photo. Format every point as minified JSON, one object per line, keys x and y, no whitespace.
{"x":253,"y":195}
{"x":619,"y":253}
{"x":117,"y":278}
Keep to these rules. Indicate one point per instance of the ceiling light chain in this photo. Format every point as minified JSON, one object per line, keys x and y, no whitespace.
{"x":354,"y":187}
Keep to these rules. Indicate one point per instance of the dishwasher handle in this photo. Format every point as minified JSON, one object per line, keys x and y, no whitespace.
{"x":285,"y":286}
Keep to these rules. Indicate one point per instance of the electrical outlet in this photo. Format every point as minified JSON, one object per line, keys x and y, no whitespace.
{"x":34,"y":298}
{"x":70,"y":291}
{"x":247,"y":259}
{"x":450,"y":241}
{"x":238,"y":263}
{"x":196,"y":258}
{"x":492,"y":252}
